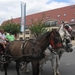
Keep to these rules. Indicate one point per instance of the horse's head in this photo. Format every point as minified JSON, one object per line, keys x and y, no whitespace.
{"x":63,"y":32}
{"x":66,"y":38}
{"x":56,"y":41}
{"x":67,"y":44}
{"x":70,"y":29}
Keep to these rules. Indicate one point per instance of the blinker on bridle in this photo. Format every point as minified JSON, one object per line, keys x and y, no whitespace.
{"x":58,"y":45}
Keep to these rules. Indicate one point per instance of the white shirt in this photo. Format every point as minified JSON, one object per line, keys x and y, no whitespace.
{"x":3,"y":37}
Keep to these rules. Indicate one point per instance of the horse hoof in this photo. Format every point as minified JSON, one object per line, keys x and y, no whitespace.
{"x":27,"y":71}
{"x":22,"y":69}
{"x":57,"y":73}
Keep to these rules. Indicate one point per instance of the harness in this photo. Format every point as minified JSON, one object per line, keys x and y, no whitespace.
{"x":52,"y":50}
{"x":52,"y":43}
{"x":33,"y":54}
{"x":23,"y":47}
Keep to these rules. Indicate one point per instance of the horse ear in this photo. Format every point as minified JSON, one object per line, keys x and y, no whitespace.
{"x":63,"y":21}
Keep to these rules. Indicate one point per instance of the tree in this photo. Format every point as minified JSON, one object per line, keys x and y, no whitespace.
{"x":37,"y":27}
{"x":11,"y":26}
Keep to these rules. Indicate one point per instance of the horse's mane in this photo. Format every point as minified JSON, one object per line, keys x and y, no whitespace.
{"x":46,"y":35}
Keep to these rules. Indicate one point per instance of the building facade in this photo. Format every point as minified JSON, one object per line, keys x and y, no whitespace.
{"x":61,"y":14}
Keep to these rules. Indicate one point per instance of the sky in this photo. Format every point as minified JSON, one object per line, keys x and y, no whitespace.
{"x":12,"y":8}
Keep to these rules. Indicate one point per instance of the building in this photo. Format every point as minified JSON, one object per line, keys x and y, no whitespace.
{"x":65,"y":13}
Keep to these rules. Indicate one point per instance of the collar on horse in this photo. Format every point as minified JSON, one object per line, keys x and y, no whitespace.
{"x":52,"y":50}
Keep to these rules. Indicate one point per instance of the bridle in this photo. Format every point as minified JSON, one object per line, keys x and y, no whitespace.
{"x":52,"y":42}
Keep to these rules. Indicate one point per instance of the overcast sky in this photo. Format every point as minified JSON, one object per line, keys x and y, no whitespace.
{"x":12,"y":8}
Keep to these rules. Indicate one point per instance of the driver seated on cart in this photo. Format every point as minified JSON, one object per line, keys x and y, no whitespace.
{"x":3,"y":38}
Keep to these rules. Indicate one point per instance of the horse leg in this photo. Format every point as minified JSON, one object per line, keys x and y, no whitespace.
{"x":5,"y":67}
{"x":17,"y":67}
{"x":40,"y":69}
{"x":22,"y":65}
{"x":53,"y":63}
{"x":57,"y":64}
{"x":42,"y":62}
{"x":2,"y":66}
{"x":35,"y":67}
{"x":60,"y":55}
{"x":26,"y":70}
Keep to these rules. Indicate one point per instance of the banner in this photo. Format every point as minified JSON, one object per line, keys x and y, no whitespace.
{"x":23,"y":15}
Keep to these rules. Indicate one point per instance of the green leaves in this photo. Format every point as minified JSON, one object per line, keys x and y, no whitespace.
{"x":13,"y":27}
{"x":37,"y":27}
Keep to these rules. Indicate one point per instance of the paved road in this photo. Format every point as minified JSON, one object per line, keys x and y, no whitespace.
{"x":67,"y":66}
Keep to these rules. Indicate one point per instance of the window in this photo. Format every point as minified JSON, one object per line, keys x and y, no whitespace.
{"x":27,"y":37}
{"x":72,"y":20}
{"x":64,"y":14}
{"x":47,"y":17}
{"x":58,"y":15}
{"x":21,"y":38}
{"x":26,"y":32}
{"x":51,"y":23}
{"x":26,"y":26}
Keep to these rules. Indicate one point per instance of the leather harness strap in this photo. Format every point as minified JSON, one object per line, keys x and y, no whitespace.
{"x":23,"y":46}
{"x":52,"y":50}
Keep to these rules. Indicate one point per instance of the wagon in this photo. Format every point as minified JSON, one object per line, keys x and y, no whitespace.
{"x":2,"y":56}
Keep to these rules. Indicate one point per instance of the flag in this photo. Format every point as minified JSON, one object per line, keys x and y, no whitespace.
{"x":23,"y":15}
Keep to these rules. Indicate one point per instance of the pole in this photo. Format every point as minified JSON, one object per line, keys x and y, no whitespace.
{"x":24,"y":21}
{"x":23,"y":17}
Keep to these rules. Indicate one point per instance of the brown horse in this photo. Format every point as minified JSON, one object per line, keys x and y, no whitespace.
{"x":32,"y":50}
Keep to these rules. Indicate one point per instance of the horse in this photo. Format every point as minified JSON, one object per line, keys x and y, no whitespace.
{"x":31,"y":50}
{"x":54,"y":57}
{"x":66,"y":37}
{"x":67,"y":46}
